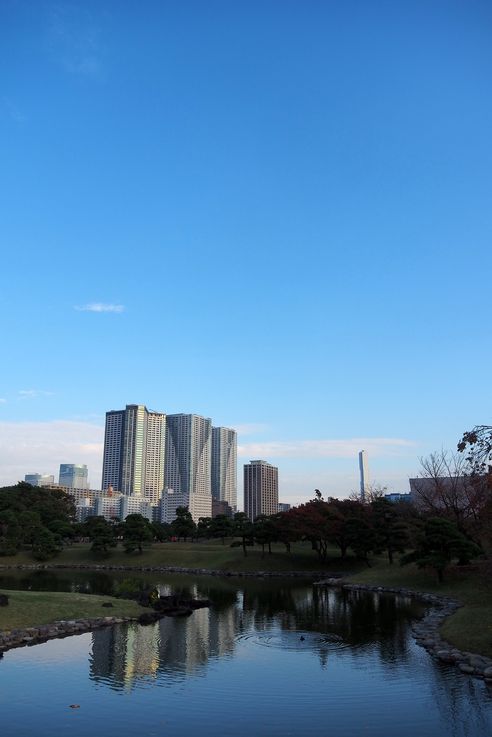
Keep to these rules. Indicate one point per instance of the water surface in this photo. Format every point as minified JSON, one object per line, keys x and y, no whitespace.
{"x":268,"y":658}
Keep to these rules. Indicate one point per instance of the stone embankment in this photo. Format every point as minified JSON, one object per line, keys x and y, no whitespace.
{"x":167,"y":569}
{"x":63,"y":628}
{"x":426,"y":631}
{"x":163,"y":606}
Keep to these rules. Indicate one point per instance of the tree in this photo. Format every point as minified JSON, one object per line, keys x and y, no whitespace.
{"x":204,"y":527}
{"x":45,"y":545}
{"x":286,"y":528}
{"x":390,"y":530}
{"x":243,"y":528}
{"x":361,"y":537}
{"x":221,"y":527}
{"x":478,"y":443}
{"x":264,"y":532}
{"x":183,"y":526}
{"x":162,"y":531}
{"x":137,"y":533}
{"x":447,"y":487}
{"x":10,"y":533}
{"x":30,"y":525}
{"x":101,"y":533}
{"x":26,"y":509}
{"x":440,"y":543}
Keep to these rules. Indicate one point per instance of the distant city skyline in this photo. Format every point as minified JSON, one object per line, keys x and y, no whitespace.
{"x":274,"y":214}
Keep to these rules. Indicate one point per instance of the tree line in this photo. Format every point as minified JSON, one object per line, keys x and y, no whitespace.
{"x":451,"y":519}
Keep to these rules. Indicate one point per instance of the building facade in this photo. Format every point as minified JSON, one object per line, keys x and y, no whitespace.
{"x":224,"y":466}
{"x":188,"y":461}
{"x":39,"y":479}
{"x":73,"y":475}
{"x":134,"y":451}
{"x":260,"y":489}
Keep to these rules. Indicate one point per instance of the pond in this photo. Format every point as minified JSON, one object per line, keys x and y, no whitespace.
{"x":270,"y":657}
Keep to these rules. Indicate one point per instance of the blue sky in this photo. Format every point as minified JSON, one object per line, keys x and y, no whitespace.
{"x":277,"y":214}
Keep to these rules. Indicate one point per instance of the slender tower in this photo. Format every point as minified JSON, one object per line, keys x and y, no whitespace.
{"x":364,"y":474}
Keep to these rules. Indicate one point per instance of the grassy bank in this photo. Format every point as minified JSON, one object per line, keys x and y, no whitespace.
{"x":211,"y":555}
{"x":470,"y":628}
{"x":32,"y":608}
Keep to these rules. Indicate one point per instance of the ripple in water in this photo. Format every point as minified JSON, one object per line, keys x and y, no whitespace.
{"x":295,"y":641}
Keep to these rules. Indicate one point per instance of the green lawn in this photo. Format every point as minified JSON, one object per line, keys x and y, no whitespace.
{"x":32,"y":608}
{"x":469,"y":628}
{"x":211,"y":555}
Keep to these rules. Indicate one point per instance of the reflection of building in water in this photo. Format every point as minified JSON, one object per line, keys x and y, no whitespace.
{"x":222,"y":627}
{"x":122,"y":654}
{"x":184,"y":642}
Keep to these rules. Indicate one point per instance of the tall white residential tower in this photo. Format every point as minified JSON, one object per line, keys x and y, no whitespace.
{"x":224,"y":466}
{"x":188,"y":463}
{"x":134,"y":449}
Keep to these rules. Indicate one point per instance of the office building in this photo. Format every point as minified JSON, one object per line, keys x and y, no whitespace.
{"x":39,"y":479}
{"x":108,"y":506}
{"x":188,"y":461}
{"x":134,"y":449}
{"x":170,"y":501}
{"x":224,"y":466}
{"x":73,"y":476}
{"x":219,"y":507}
{"x":260,"y":489}
{"x":283,"y":507}
{"x":396,"y":497}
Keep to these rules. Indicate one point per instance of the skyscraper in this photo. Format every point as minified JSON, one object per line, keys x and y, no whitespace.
{"x":224,"y":465}
{"x":188,"y":461}
{"x":260,"y":489}
{"x":74,"y":476}
{"x":134,"y":448}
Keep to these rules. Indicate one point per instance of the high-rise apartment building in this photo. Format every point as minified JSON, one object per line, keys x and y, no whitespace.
{"x":224,"y":466}
{"x":74,"y":476}
{"x":188,"y":461}
{"x":260,"y":489}
{"x":134,"y":450}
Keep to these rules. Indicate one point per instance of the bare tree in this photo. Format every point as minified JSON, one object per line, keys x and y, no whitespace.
{"x":373,"y":492}
{"x":478,"y":444}
{"x":447,"y":487}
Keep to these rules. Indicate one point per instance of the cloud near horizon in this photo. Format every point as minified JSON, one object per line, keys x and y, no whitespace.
{"x":347,"y":448}
{"x":100,"y":307}
{"x":40,"y":447}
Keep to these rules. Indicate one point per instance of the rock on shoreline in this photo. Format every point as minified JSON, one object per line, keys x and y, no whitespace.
{"x":426,"y":630}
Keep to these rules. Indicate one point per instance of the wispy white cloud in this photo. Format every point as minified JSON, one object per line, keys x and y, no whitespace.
{"x":74,"y":38}
{"x":40,"y":447}
{"x":13,"y":111}
{"x":346,"y":448}
{"x":3,"y":400}
{"x":33,"y":393}
{"x":100,"y":307}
